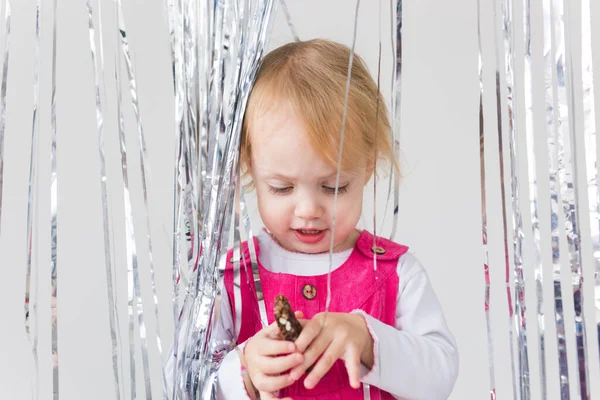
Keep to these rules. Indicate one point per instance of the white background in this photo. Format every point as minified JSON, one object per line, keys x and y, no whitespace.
{"x":440,"y":206}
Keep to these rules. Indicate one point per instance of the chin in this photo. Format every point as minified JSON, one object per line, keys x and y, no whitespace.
{"x":317,"y":248}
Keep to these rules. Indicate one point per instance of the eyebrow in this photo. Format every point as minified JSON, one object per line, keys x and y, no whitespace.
{"x":288,"y":178}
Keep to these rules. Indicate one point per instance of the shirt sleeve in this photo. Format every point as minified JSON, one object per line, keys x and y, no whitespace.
{"x":230,"y":384}
{"x":418,"y":358}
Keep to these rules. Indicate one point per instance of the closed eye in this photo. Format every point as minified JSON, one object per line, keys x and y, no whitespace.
{"x":331,"y":190}
{"x":277,"y":190}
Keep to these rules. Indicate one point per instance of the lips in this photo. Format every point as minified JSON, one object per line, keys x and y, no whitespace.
{"x":309,"y":236}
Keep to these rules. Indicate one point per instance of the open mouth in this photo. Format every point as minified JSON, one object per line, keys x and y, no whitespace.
{"x":309,"y":236}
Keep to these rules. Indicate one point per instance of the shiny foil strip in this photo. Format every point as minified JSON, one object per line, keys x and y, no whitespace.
{"x":567,"y":174}
{"x":54,"y":214}
{"x":366,"y":391}
{"x":32,"y":268}
{"x":591,"y":146}
{"x":499,"y":116}
{"x":533,"y":195}
{"x":261,"y":17}
{"x":376,"y":151}
{"x":486,"y":271}
{"x":190,"y":126}
{"x":288,"y":18}
{"x":519,"y":281}
{"x":396,"y":111}
{"x":99,"y":83}
{"x":254,"y":278}
{"x":235,"y":34}
{"x":174,"y":33}
{"x":7,"y":15}
{"x":145,"y":172}
{"x":237,"y":279}
{"x":551,"y":131}
{"x":129,"y":231}
{"x":339,"y":160}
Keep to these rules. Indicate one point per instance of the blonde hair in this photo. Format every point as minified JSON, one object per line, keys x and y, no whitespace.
{"x":311,"y":76}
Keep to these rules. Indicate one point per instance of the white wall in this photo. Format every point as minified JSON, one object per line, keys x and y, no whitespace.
{"x":439,"y":204}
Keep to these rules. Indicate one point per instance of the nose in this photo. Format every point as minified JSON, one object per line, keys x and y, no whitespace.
{"x":308,"y":207}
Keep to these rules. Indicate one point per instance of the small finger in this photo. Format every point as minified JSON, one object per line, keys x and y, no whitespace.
{"x":352,"y":361}
{"x":271,"y":331}
{"x":309,"y":332}
{"x":316,"y":348}
{"x":278,"y":365}
{"x":299,"y":314}
{"x":274,"y":347}
{"x":272,"y":383}
{"x":329,"y":357}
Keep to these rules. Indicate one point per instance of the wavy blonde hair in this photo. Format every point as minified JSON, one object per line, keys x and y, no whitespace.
{"x":311,"y":76}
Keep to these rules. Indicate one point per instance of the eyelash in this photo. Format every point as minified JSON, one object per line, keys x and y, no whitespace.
{"x":331,"y":190}
{"x":327,"y":189}
{"x":276,"y":190}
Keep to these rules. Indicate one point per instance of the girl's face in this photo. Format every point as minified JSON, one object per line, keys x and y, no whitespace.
{"x":295,"y":187}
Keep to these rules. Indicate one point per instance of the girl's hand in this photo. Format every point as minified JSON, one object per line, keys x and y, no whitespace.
{"x":269,"y":359}
{"x":332,"y":337}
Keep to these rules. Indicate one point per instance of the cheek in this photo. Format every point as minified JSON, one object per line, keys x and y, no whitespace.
{"x":273,"y":210}
{"x":349,"y":208}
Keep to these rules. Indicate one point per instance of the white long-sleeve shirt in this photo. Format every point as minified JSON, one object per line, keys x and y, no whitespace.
{"x":416,"y":359}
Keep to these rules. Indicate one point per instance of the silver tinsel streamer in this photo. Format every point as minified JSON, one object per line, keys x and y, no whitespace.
{"x":31,"y":297}
{"x":339,"y":160}
{"x":533,"y":194}
{"x":288,"y":17}
{"x":237,"y":36}
{"x":7,"y":15}
{"x":396,"y":108}
{"x":567,"y":174}
{"x":512,"y":105}
{"x":99,"y":84}
{"x":179,"y":134}
{"x":591,"y":142}
{"x":54,"y":211}
{"x":503,"y":198}
{"x":551,"y":121}
{"x":145,"y":171}
{"x":486,"y":270}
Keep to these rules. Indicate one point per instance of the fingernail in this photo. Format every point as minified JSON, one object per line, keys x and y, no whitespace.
{"x":292,"y":347}
{"x":291,"y":379}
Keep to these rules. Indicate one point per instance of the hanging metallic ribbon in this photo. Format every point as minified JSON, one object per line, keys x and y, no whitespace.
{"x":533,"y":195}
{"x":567,"y":174}
{"x":590,"y":124}
{"x":519,"y":281}
{"x":54,"y":213}
{"x":484,"y":213}
{"x":7,"y":17}
{"x":376,"y":153}
{"x":503,"y":201}
{"x":98,"y":85}
{"x":145,"y":172}
{"x":288,"y":18}
{"x":396,"y":117}
{"x":31,"y":297}
{"x":237,"y":35}
{"x":339,"y":160}
{"x":177,"y":68}
{"x":551,"y":131}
